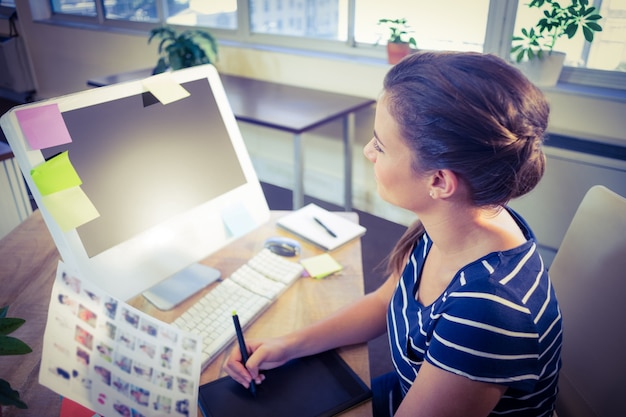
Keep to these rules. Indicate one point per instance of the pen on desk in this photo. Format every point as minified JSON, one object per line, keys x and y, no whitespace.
{"x":242,"y":348}
{"x":328,"y":230}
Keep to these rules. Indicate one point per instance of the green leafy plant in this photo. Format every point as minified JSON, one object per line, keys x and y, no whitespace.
{"x":399,"y":31}
{"x":556,"y":21}
{"x":10,"y":346}
{"x":183,"y":50}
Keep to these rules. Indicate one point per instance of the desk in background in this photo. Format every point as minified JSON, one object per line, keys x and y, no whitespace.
{"x":28,"y":262}
{"x":295,"y":110}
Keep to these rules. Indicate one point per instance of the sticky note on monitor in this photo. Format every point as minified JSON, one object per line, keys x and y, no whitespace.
{"x":55,"y":174}
{"x":43,"y":126}
{"x":165,"y":88}
{"x":70,"y":208}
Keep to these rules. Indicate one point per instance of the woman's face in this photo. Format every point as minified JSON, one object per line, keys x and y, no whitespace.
{"x":397,"y":183}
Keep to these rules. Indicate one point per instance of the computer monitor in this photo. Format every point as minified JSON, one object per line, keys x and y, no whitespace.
{"x":171,"y":183}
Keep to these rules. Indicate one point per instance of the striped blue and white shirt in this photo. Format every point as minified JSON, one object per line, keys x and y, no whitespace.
{"x":498,"y":321}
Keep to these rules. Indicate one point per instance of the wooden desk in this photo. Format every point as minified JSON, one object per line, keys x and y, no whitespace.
{"x":287,"y":108}
{"x":28,"y":261}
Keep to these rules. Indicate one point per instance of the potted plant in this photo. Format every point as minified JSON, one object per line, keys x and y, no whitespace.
{"x":535,"y":46}
{"x":182,"y":50}
{"x":399,"y":42}
{"x":10,"y":346}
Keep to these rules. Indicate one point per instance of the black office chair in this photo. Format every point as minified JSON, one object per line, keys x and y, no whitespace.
{"x":589,"y":276}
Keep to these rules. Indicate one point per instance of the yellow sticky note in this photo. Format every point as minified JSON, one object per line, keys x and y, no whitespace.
{"x":321,"y":266}
{"x":55,"y":174}
{"x":165,"y":88}
{"x":70,"y":208}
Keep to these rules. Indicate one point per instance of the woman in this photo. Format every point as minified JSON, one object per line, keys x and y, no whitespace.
{"x":474,"y":326}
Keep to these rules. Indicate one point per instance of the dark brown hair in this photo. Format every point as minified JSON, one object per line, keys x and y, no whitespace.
{"x":473,"y":114}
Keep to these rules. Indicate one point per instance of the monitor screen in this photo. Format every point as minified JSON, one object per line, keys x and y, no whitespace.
{"x":171,"y":183}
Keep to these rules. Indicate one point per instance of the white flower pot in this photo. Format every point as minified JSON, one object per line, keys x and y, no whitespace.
{"x":544,"y":72}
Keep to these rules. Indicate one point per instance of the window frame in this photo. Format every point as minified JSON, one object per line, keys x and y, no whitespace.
{"x":500,"y":27}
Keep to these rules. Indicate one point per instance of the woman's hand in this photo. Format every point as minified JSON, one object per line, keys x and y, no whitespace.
{"x":356,"y":323}
{"x":263,"y":354}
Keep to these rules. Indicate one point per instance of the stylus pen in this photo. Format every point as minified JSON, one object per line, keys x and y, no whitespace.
{"x":243,"y":349}
{"x":328,"y":229}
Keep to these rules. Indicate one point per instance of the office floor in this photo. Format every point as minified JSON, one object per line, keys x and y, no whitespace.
{"x":376,"y":244}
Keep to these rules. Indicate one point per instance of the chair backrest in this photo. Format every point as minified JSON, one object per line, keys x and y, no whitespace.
{"x":589,"y":277}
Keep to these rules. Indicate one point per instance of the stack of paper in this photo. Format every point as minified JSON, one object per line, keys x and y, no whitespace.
{"x":106,"y":356}
{"x":321,"y":227}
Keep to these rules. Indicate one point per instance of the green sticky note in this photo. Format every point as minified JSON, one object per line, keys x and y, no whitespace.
{"x":56,"y":174}
{"x":70,"y":208}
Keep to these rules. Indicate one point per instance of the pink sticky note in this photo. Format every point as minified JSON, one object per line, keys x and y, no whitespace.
{"x":43,"y":126}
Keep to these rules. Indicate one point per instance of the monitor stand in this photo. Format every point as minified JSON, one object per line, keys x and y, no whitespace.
{"x":173,"y":290}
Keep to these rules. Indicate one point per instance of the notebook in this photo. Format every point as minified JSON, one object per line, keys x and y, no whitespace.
{"x":318,"y":225}
{"x":312,"y":386}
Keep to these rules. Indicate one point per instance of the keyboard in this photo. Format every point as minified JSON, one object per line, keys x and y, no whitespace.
{"x":250,"y":290}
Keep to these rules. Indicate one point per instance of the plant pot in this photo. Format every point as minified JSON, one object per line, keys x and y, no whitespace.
{"x":544,"y":72}
{"x":397,"y":51}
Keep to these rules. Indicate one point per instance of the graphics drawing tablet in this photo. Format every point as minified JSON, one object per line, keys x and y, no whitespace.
{"x":312,"y":386}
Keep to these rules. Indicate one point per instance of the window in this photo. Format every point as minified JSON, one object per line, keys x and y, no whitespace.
{"x":323,"y":19}
{"x":350,"y":26}
{"x":606,"y":52}
{"x":451,"y":25}
{"x":220,"y":14}
{"x":136,"y":11}
{"x":74,"y":7}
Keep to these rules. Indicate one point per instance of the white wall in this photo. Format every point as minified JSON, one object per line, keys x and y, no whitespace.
{"x":63,"y":59}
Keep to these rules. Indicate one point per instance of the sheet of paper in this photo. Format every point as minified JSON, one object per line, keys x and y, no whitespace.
{"x":55,"y":174}
{"x":237,"y":220}
{"x":321,"y":266}
{"x":43,"y":126}
{"x":165,"y":88}
{"x":302,"y":222}
{"x":113,"y":359}
{"x":70,"y":208}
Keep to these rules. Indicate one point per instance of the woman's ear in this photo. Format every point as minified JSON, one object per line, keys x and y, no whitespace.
{"x":444,"y":184}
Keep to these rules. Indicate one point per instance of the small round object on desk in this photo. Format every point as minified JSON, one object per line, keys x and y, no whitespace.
{"x":283,"y":246}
